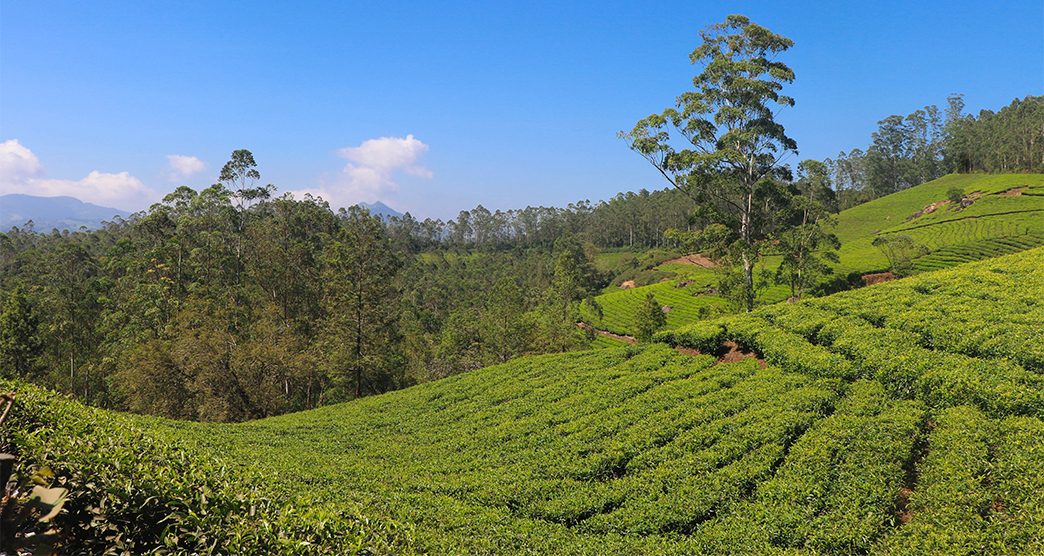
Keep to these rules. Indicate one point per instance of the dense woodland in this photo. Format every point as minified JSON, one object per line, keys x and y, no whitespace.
{"x":226,"y":304}
{"x":233,"y":303}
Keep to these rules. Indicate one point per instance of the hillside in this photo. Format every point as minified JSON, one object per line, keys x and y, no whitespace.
{"x":47,"y":213}
{"x":1006,"y":215}
{"x":902,"y":418}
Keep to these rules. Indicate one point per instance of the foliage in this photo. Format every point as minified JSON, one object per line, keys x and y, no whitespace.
{"x":649,"y":318}
{"x":734,"y":144}
{"x":807,"y":246}
{"x":134,"y":491}
{"x":690,"y":298}
{"x":360,"y":296}
{"x":900,"y":250}
{"x":706,"y":337}
{"x":1009,"y":140}
{"x":28,"y":504}
{"x":20,"y":342}
{"x":632,"y":220}
{"x":901,"y":335}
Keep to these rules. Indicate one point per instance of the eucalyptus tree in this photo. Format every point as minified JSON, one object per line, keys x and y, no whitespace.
{"x":240,"y":175}
{"x":731,"y":146}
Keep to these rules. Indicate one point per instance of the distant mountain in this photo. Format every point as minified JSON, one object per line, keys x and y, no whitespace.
{"x":47,"y":213}
{"x":382,"y":210}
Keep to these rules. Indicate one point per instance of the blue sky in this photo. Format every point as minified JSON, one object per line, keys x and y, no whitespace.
{"x":485,"y":102}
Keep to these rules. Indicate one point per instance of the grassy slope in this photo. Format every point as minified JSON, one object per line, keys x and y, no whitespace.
{"x":991,"y":218}
{"x":993,"y":225}
{"x":683,"y":295}
{"x":646,"y":450}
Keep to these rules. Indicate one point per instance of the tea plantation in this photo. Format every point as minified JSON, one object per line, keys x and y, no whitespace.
{"x":903,"y":418}
{"x":1005,"y":215}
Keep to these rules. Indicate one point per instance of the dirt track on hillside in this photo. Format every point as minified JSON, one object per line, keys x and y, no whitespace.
{"x":694,"y":259}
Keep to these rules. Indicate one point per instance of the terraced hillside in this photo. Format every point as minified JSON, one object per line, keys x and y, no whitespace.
{"x":688,"y":296}
{"x":904,"y":418}
{"x":1005,"y":215}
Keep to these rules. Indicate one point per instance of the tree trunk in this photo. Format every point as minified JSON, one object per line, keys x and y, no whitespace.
{"x":748,"y":281}
{"x":358,"y":340}
{"x":745,"y":237}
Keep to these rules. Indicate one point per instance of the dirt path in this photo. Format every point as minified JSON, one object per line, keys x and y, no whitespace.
{"x":878,"y":278}
{"x":734,"y":354}
{"x":626,"y":339}
{"x":951,"y":220}
{"x":693,"y":259}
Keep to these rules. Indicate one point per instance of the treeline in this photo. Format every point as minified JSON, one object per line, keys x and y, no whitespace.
{"x":909,"y":150}
{"x":230,"y":304}
{"x":638,"y":220}
{"x":1010,"y":140}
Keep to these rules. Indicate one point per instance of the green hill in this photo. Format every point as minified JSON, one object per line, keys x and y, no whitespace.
{"x":903,"y":418}
{"x":993,"y":224}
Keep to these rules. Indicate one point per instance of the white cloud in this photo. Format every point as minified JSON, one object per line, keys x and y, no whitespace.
{"x":183,"y":166}
{"x":388,"y":154}
{"x":17,"y":163}
{"x":21,"y":172}
{"x":371,"y":170}
{"x":119,"y":190}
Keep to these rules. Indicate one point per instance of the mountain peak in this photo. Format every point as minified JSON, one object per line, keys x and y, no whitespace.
{"x":380,"y":209}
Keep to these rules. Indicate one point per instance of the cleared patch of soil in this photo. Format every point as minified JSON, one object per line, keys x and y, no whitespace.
{"x":878,"y":278}
{"x":627,"y":285}
{"x":694,"y":259}
{"x":928,"y":209}
{"x":735,"y":354}
{"x":905,"y":515}
{"x":1013,"y":192}
{"x":965,"y":202}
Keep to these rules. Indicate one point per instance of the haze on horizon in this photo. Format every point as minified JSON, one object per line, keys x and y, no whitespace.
{"x":433,"y":109}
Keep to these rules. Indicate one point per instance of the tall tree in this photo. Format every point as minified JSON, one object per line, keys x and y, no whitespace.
{"x":735,"y":146}
{"x":240,"y":175}
{"x":361,"y":305}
